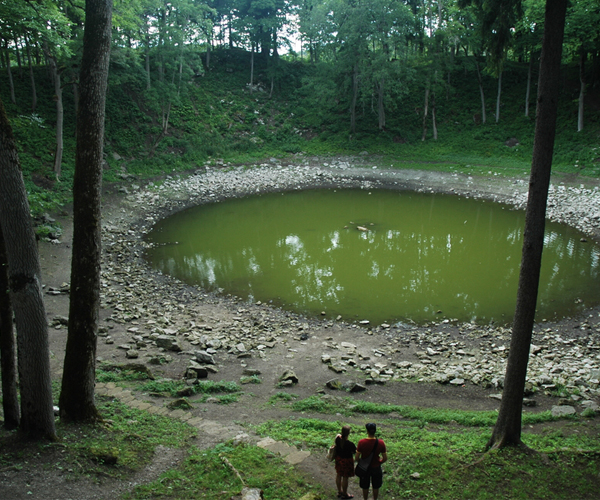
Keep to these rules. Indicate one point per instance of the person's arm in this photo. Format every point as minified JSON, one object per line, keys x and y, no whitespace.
{"x":357,"y":456}
{"x":384,"y":457}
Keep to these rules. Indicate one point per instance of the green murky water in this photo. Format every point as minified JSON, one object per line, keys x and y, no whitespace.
{"x":383,"y":256}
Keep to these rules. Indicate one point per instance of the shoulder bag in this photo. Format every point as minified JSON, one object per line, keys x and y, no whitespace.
{"x":363,"y":463}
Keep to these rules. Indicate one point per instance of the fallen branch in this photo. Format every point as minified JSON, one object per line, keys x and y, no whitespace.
{"x":230,"y":465}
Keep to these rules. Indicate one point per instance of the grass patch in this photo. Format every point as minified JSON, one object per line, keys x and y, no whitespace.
{"x":205,"y":475}
{"x":123,"y":443}
{"x":171,"y":387}
{"x":348,"y":406}
{"x":250,"y":379}
{"x":451,"y":463}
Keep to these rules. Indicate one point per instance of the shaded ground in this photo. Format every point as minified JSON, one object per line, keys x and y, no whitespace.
{"x":305,"y":342}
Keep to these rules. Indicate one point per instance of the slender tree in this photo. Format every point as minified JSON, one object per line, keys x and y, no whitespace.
{"x":77,"y":402}
{"x":507,"y":430}
{"x":37,"y":415}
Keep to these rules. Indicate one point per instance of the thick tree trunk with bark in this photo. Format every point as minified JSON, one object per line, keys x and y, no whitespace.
{"x":10,"y":399}
{"x":25,"y":283}
{"x":507,"y":430}
{"x":77,"y":401}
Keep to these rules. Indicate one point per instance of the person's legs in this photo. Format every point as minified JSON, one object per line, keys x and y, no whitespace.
{"x":338,"y":483}
{"x":365,"y":482}
{"x":377,"y":477}
{"x":344,"y":485}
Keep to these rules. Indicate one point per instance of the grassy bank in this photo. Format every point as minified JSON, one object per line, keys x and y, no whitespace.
{"x":215,"y":117}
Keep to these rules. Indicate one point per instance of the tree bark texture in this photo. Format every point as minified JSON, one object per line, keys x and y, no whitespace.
{"x":10,"y":399}
{"x":77,"y":401}
{"x":37,"y":415}
{"x":507,"y":430}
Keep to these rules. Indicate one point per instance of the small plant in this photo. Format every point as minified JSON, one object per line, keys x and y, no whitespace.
{"x":281,"y":396}
{"x":252,"y":379}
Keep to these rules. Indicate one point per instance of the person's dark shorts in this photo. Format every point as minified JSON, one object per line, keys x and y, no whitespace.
{"x":374,"y":477}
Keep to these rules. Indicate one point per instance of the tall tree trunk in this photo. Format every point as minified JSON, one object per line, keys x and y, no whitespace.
{"x":481,"y":93}
{"x":77,"y":401}
{"x":31,"y":77}
{"x":433,"y":121}
{"x":11,"y":83}
{"x":147,"y":57}
{"x":252,"y":69}
{"x":581,"y":90}
{"x":18,"y":54}
{"x":354,"y":99}
{"x":507,"y":430}
{"x":10,"y":399}
{"x":498,"y":96}
{"x":59,"y":109}
{"x":37,"y":415}
{"x":528,"y":92}
{"x":208,"y":47}
{"x":425,"y":113}
{"x":380,"y":108}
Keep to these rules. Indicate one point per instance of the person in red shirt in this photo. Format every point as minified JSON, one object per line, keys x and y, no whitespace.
{"x":374,"y":476}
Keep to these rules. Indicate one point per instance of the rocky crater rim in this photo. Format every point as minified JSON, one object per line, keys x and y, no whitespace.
{"x":149,"y":304}
{"x":576,"y":206}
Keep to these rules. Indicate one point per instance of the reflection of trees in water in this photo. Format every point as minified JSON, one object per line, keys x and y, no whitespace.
{"x":433,"y":258}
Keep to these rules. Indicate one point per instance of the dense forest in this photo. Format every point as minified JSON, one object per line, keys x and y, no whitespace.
{"x":193,"y":81}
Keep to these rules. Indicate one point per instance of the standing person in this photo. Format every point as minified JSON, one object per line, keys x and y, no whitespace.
{"x":344,"y":461}
{"x":374,"y":475}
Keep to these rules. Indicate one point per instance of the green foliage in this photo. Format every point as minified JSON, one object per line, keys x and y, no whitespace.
{"x":118,"y":375}
{"x":253,"y":379}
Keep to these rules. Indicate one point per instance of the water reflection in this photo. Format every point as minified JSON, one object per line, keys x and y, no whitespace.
{"x":384,"y":257}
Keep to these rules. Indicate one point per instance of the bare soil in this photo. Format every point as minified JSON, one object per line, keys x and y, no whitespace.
{"x":39,"y":478}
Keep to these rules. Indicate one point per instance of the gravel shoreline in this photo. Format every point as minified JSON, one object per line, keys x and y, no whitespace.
{"x":565,"y":359}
